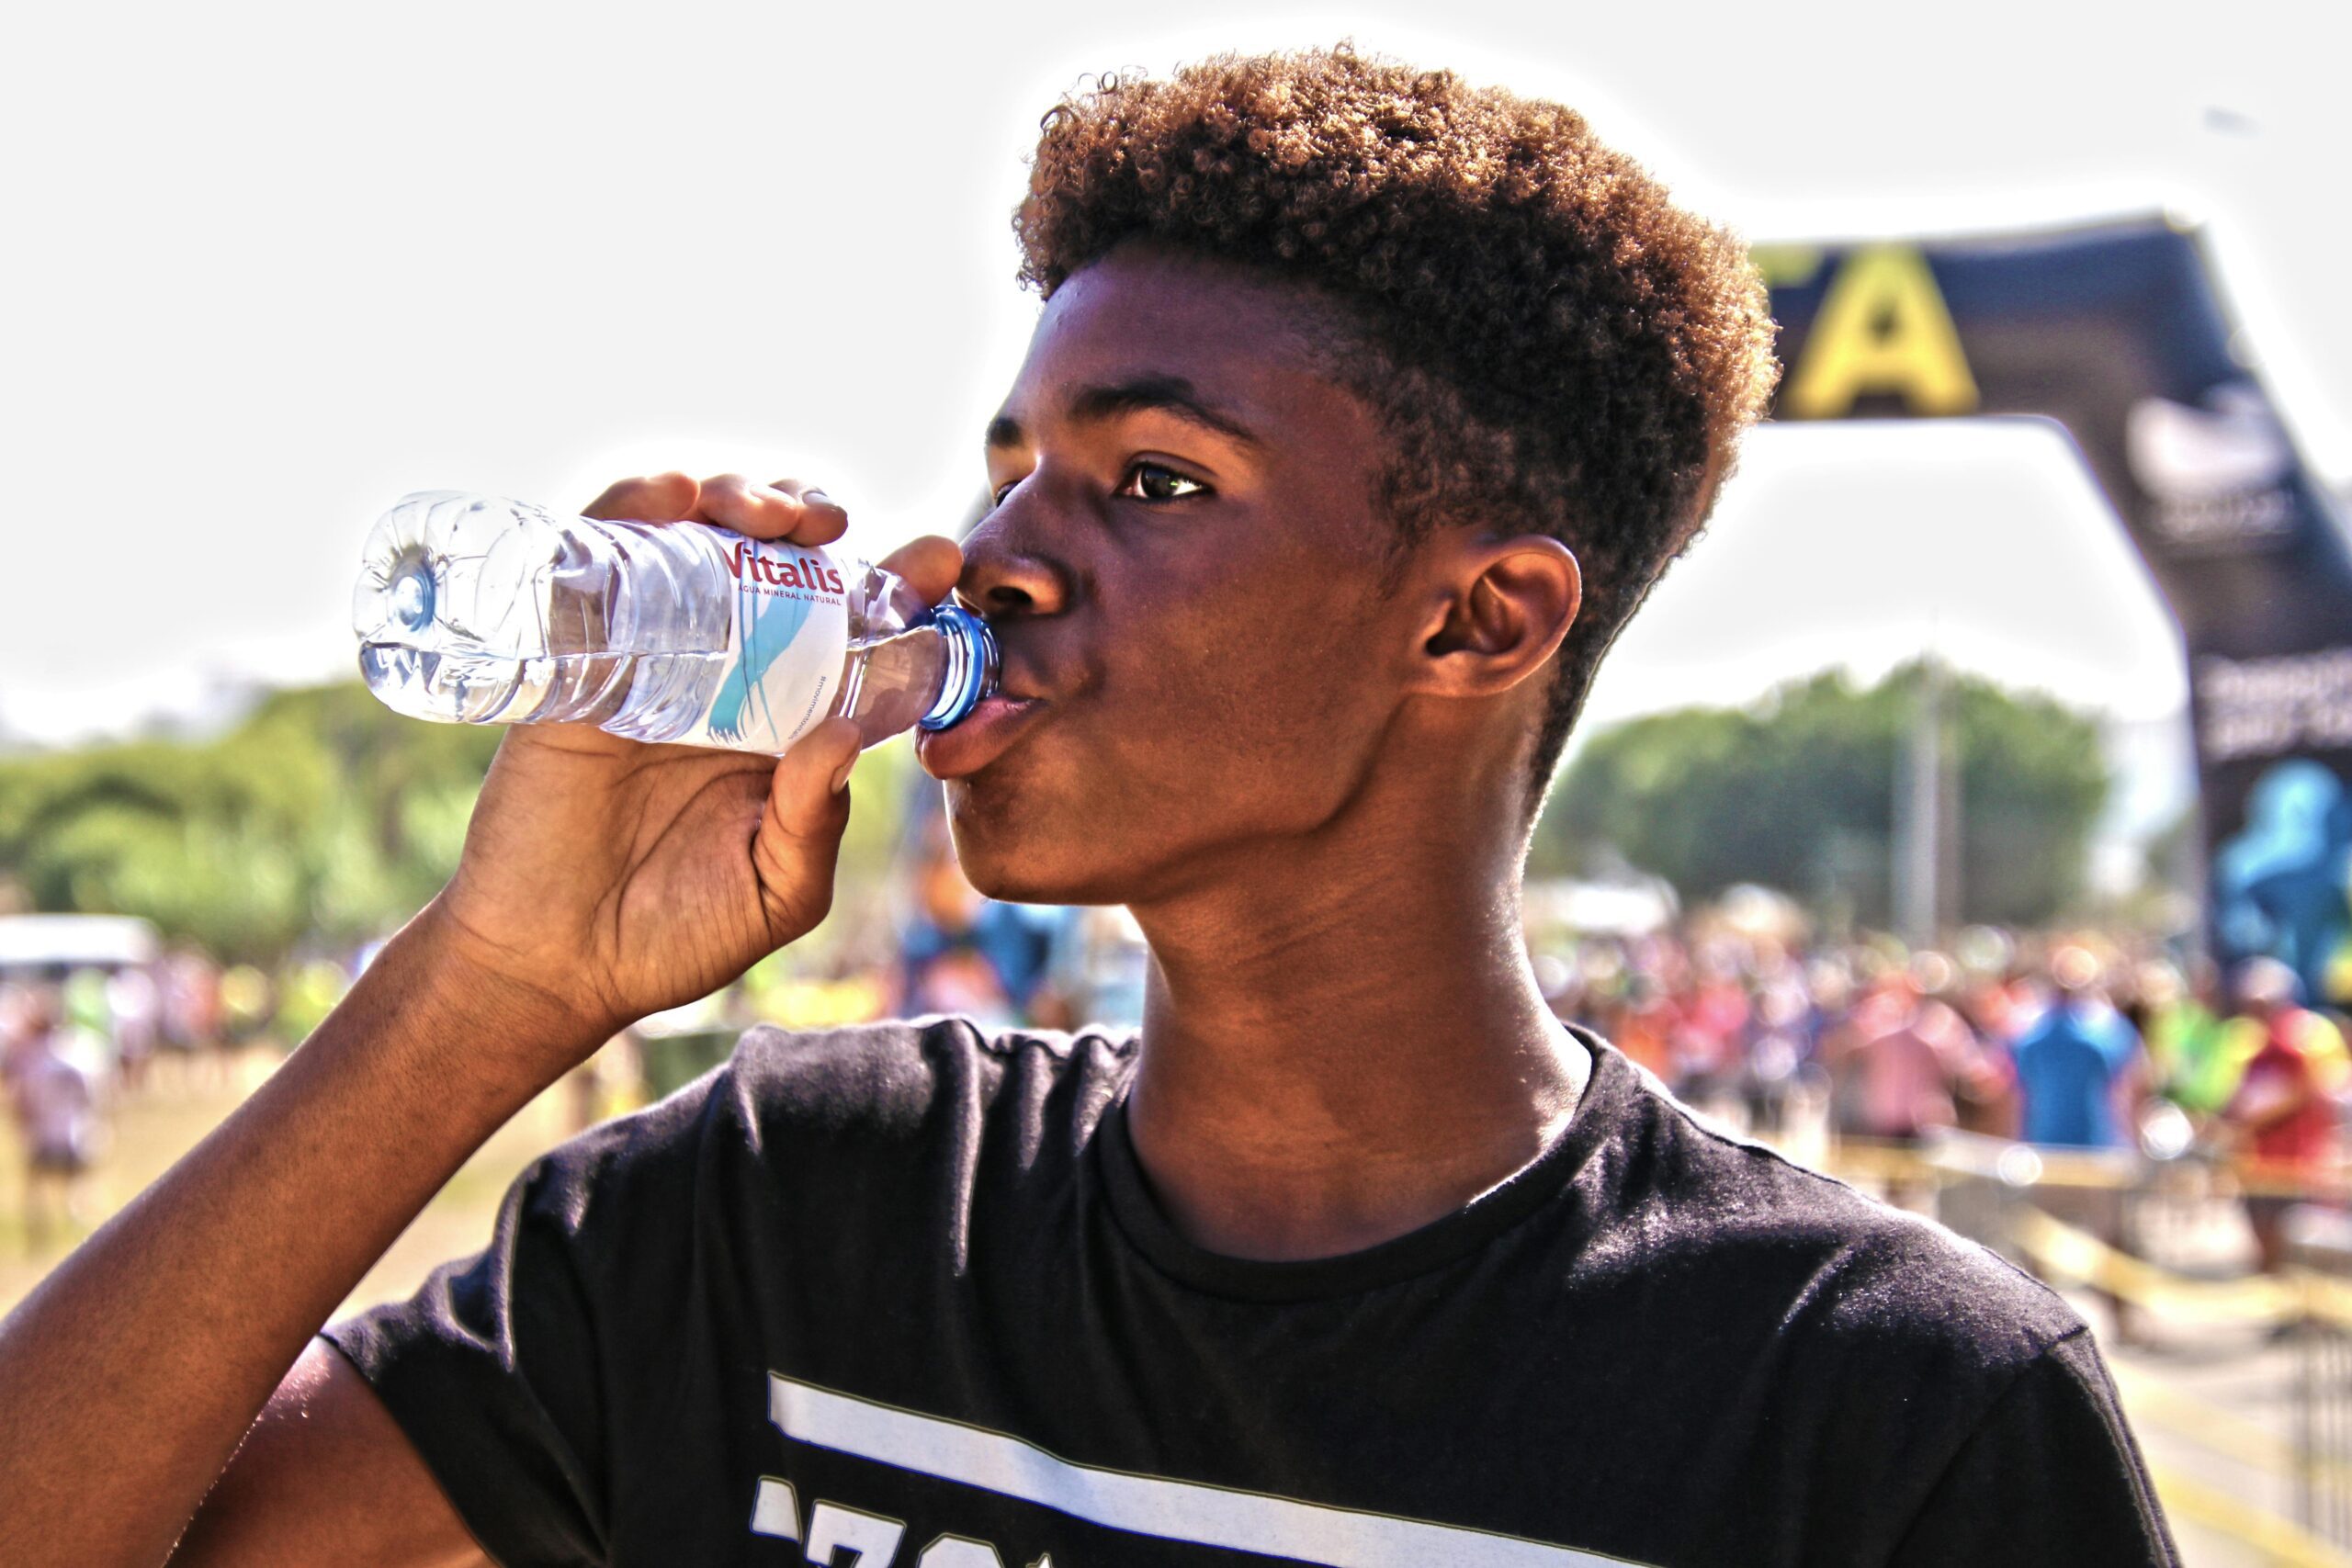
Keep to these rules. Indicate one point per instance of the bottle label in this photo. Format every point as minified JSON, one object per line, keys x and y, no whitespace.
{"x":785,"y":649}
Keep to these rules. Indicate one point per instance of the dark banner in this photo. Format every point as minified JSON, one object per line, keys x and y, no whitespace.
{"x":2115,"y":332}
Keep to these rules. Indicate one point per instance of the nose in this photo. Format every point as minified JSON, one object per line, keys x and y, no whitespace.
{"x":1008,"y":574}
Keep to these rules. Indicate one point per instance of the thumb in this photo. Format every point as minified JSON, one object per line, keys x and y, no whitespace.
{"x":930,"y":565}
{"x":800,"y":829}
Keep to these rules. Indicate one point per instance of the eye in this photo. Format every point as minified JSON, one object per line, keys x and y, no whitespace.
{"x":1157,"y":481}
{"x":996,"y":496}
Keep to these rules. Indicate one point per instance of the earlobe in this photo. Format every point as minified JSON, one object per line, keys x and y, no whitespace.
{"x":1512,"y":601}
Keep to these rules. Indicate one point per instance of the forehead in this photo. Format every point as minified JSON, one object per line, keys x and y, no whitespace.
{"x":1243,"y":339}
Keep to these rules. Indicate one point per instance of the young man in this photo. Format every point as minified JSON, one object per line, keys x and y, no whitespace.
{"x":1363,"y":409}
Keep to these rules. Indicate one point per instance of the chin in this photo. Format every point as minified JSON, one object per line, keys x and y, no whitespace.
{"x":1025,"y":872}
{"x":1013,"y":848}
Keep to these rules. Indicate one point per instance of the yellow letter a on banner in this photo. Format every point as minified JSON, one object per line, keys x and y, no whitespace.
{"x":1884,"y":328}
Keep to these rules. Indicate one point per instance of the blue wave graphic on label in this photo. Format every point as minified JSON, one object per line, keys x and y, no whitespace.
{"x":786,"y":647}
{"x":769,"y":627}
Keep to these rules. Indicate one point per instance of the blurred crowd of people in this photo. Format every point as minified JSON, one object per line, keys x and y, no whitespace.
{"x":2072,"y":1041}
{"x":2065,"y":1042}
{"x":2069,"y":1040}
{"x":74,"y":1045}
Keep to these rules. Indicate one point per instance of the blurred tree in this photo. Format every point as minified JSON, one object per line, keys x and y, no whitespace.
{"x":322,"y":818}
{"x":321,"y":815}
{"x":1798,"y":792}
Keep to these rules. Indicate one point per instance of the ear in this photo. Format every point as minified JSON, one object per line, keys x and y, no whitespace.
{"x":1502,"y":606}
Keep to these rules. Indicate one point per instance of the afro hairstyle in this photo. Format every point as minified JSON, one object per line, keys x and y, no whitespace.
{"x":1549,"y":344}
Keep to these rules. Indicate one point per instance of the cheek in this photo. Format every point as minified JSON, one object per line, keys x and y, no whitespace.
{"x":1258,"y":693}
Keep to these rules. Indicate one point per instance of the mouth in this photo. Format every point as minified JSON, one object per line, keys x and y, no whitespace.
{"x":988,"y":732}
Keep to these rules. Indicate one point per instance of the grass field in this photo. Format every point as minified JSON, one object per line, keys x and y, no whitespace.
{"x":166,"y":1118}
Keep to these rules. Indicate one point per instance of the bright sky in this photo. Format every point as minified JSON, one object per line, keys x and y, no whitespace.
{"x":272,"y":266}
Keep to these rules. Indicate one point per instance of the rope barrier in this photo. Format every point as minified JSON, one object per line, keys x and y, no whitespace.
{"x":2281,"y":1541}
{"x":2067,"y":1252}
{"x":1960,"y":1157}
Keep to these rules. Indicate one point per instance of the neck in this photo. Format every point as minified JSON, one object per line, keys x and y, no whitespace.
{"x":1343,"y":1041}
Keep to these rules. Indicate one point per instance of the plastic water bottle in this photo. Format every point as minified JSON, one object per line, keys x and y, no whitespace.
{"x":473,"y":610}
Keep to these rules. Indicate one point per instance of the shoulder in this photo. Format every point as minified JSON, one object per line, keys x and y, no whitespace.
{"x":1850,"y":1328}
{"x":2050,"y":1474}
{"x":1825,"y":1271}
{"x":832,"y":1116}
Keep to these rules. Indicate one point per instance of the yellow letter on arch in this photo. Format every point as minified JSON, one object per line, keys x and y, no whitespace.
{"x":1884,"y":328}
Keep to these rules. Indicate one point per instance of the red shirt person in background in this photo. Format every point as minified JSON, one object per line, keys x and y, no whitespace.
{"x":2282,"y":1107}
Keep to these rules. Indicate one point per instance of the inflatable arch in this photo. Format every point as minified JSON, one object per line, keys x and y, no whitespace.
{"x":2116,"y":332}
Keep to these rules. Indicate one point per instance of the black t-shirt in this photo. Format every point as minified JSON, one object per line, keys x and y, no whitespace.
{"x":900,"y":1297}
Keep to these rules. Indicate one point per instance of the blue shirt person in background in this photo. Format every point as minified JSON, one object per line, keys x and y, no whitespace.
{"x":2073,"y":1058}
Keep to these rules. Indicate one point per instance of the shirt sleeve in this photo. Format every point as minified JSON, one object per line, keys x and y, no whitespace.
{"x":502,"y":1370}
{"x":2050,"y":1476}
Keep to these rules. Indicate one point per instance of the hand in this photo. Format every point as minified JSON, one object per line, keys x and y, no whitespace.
{"x":605,"y":879}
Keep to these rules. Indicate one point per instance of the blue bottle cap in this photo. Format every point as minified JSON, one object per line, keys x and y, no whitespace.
{"x":971,"y":666}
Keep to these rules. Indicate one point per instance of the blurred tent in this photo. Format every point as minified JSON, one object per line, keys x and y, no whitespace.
{"x":1762,"y":914}
{"x":38,"y":945}
{"x":1633,"y":905}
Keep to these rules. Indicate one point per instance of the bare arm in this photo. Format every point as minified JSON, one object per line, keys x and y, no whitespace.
{"x":327,"y":1478}
{"x":602,"y":880}
{"x":129,"y":1375}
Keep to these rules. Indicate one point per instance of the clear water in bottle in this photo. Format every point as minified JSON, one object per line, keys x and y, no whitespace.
{"x":474,"y":610}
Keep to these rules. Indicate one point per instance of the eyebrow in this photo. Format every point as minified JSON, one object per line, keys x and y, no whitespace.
{"x":1171,"y":395}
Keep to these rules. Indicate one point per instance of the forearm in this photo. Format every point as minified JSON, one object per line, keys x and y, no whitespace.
{"x":129,"y":1377}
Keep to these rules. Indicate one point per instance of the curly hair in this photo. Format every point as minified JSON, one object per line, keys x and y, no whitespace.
{"x":1549,"y":344}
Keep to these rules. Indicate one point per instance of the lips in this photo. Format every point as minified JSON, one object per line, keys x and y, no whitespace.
{"x":988,"y":732}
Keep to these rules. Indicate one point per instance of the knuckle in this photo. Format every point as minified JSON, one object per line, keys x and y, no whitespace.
{"x":640,"y":495}
{"x":732,"y":487}
{"x":674,"y":488}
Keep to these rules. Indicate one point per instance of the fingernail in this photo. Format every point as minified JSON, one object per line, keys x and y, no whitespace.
{"x":841,"y":777}
{"x":816,"y":498}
